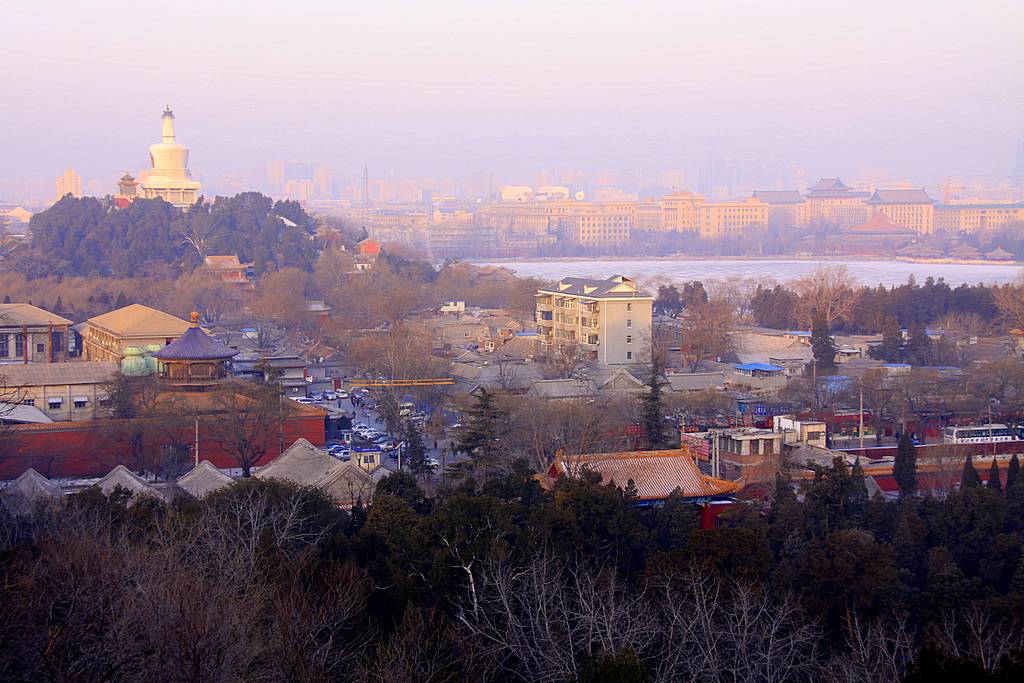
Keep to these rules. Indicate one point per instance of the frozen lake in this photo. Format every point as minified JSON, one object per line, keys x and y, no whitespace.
{"x":781,"y":270}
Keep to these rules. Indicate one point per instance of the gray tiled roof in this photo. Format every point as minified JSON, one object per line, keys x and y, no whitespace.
{"x":918,"y":196}
{"x":828,"y":185}
{"x":779,"y":196}
{"x":617,"y":286}
{"x":51,"y":374}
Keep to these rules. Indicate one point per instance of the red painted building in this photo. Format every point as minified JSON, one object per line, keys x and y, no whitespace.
{"x":93,"y":448}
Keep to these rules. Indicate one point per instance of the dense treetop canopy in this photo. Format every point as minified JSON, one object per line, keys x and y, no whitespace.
{"x":91,"y":236}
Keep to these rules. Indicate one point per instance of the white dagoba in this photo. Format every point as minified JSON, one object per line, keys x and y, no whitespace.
{"x":170,"y":178}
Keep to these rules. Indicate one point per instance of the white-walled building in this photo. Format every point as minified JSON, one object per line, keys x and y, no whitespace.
{"x":608,"y":320}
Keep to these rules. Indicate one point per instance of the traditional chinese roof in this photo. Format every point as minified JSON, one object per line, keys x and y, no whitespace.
{"x":828,"y":185}
{"x":24,"y":492}
{"x":655,"y":474}
{"x":880,"y":224}
{"x":999,"y":253}
{"x":964,"y":251}
{"x":302,"y":463}
{"x":563,"y":388}
{"x":920,"y":251}
{"x":126,"y":479}
{"x":204,"y":479}
{"x":918,"y":196}
{"x":225,"y":262}
{"x":195,"y":344}
{"x":779,"y":196}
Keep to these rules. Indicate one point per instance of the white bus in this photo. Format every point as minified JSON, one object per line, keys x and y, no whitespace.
{"x":988,"y":433}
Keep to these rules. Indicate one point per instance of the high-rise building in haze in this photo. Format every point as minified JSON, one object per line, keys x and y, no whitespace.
{"x":169,"y":177}
{"x":68,"y":182}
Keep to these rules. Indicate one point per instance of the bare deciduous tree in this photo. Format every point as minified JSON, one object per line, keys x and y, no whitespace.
{"x":829,"y":291}
{"x":706,"y":333}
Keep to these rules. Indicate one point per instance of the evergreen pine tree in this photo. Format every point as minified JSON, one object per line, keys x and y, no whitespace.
{"x":483,"y":426}
{"x":1013,"y":472}
{"x":918,"y":349}
{"x":414,"y":452}
{"x":653,"y":408}
{"x":904,"y":468}
{"x":993,"y":482}
{"x":58,"y":305}
{"x":121,"y":301}
{"x":969,"y":478}
{"x":822,"y":344}
{"x":891,"y":348}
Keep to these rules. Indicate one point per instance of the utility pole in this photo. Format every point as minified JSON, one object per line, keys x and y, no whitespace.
{"x":196,"y":449}
{"x":860,"y":429}
{"x":990,"y":429}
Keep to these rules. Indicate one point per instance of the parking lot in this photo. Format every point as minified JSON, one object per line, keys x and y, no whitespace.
{"x":365,"y":416}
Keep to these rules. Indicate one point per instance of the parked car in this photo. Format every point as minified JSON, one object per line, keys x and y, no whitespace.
{"x":316,"y":396}
{"x":432,"y":464}
{"x":340,"y":452}
{"x":342,"y":395}
{"x":330,"y":396}
{"x":302,"y":399}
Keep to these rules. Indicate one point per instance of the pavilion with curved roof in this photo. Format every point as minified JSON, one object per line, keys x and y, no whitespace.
{"x":195,"y":360}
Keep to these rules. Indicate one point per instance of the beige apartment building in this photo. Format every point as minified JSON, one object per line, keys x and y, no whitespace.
{"x":732,"y":219}
{"x":68,"y":182}
{"x":690,"y":212}
{"x":646,"y":217}
{"x":28,"y":334}
{"x":609,"y":320}
{"x":105,"y":337}
{"x":972,"y":217}
{"x":679,"y":212}
{"x":912,"y":209}
{"x":786,"y":208}
{"x":596,"y":225}
{"x":64,"y":392}
{"x":525,"y":218}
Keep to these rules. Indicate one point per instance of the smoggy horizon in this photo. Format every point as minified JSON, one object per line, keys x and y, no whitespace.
{"x":915,"y":92}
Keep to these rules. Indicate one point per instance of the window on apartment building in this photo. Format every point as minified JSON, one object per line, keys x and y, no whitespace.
{"x":629,"y":307}
{"x":28,"y":402}
{"x":40,"y":348}
{"x":57,"y":341}
{"x":81,"y":401}
{"x":19,"y":345}
{"x":55,"y":403}
{"x":629,"y":355}
{"x":5,"y":346}
{"x":629,"y":339}
{"x":629,"y":322}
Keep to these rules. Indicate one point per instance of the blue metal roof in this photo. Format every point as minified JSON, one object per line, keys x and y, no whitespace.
{"x":765,"y":367}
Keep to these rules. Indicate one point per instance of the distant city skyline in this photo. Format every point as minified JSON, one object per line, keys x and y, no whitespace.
{"x":919,"y":89}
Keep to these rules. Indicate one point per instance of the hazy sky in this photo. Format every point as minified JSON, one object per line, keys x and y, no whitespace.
{"x":922,"y":89}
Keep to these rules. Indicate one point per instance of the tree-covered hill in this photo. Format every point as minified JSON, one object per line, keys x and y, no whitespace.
{"x":91,"y":236}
